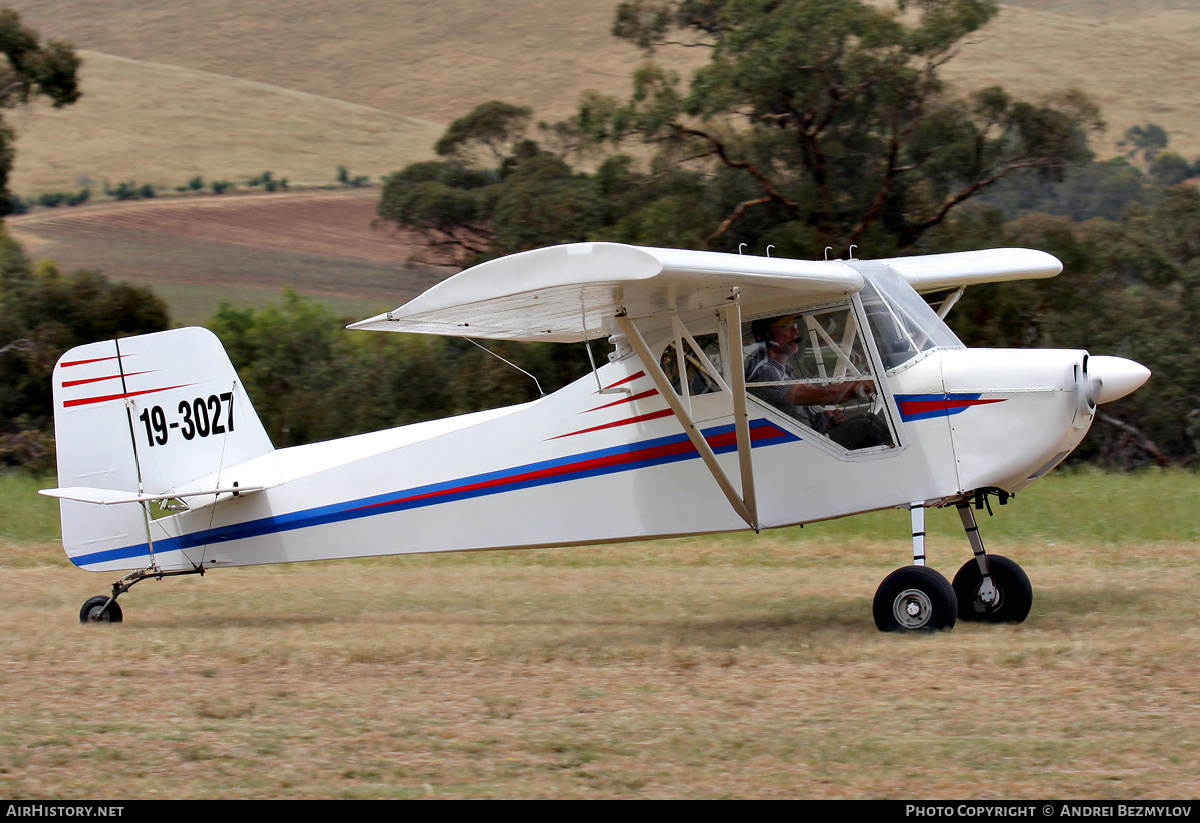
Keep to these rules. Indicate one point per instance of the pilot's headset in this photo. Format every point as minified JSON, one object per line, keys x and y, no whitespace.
{"x":761,"y":329}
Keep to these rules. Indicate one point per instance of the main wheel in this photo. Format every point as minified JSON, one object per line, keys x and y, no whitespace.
{"x":915,"y":599}
{"x":1014,"y":593}
{"x":93,"y":611}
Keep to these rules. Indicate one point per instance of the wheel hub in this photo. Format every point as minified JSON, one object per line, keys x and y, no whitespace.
{"x":912,"y":608}
{"x":984,"y":604}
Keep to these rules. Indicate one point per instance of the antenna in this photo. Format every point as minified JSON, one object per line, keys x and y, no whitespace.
{"x":828,"y":249}
{"x":740,"y":247}
{"x":769,"y":247}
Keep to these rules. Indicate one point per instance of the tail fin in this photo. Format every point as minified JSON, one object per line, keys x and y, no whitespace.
{"x":145,"y":415}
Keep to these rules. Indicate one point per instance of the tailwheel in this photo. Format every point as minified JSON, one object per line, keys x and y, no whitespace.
{"x":98,"y":610}
{"x":1013,"y":595}
{"x":915,"y":599}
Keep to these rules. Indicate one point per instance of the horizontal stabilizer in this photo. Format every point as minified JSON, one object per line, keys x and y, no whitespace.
{"x":112,"y":497}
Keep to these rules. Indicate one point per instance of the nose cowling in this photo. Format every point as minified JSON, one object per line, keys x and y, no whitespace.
{"x":1112,"y":378}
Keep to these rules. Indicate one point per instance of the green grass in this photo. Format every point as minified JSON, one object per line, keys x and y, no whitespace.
{"x":1068,"y":507}
{"x":27,"y":517}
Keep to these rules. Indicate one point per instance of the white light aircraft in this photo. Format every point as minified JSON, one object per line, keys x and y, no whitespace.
{"x":744,"y":392}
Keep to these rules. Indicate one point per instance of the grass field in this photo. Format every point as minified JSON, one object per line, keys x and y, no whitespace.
{"x":726,"y":666}
{"x":736,"y":666}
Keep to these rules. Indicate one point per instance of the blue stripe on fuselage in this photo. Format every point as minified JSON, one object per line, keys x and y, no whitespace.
{"x":644,"y":454}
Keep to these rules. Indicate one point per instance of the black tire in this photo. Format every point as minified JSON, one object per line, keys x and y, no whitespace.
{"x":915,"y":599}
{"x":93,"y":611}
{"x":1014,"y":592}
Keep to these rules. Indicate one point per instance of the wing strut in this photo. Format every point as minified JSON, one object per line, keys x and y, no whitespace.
{"x":744,"y":503}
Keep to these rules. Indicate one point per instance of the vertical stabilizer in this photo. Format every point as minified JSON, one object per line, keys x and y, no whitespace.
{"x":146,"y":415}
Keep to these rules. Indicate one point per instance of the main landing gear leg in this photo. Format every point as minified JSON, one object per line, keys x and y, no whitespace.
{"x":104,"y":609}
{"x":915,"y":598}
{"x":990,"y":588}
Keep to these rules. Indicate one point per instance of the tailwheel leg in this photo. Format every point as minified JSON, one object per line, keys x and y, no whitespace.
{"x":990,"y":588}
{"x":915,"y":598}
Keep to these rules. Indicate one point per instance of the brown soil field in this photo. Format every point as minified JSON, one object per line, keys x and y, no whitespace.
{"x":319,"y":222}
{"x":198,"y":250}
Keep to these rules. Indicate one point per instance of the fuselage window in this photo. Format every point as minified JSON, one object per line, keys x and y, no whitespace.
{"x":697,"y":373}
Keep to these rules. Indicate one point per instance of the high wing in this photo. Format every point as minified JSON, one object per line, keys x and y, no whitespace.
{"x":930,"y":272}
{"x":570,"y":293}
{"x":566,"y":294}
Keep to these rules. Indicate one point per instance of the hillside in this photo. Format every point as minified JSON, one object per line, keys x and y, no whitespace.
{"x":433,"y":62}
{"x":199,"y":251}
{"x":150,"y":122}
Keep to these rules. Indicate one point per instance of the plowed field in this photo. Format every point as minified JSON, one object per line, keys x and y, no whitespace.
{"x":197,"y":251}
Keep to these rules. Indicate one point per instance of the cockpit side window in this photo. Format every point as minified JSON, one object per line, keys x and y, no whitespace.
{"x":814,"y":367}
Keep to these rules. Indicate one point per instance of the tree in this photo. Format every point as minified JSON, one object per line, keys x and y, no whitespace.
{"x":1169,"y":168}
{"x":494,"y":126}
{"x":469,"y":211}
{"x":1147,"y":140}
{"x":43,"y":313}
{"x":832,"y":114}
{"x":310,"y":381}
{"x":30,"y":69}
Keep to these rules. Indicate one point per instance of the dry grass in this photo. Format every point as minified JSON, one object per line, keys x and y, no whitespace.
{"x":300,"y":65}
{"x":692,"y":668}
{"x":1137,"y":63}
{"x":163,"y":125}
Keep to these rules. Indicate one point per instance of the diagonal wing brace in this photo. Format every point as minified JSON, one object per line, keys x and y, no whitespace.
{"x":743,"y":503}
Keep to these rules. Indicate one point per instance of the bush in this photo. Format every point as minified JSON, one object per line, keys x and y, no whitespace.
{"x":357,"y":181}
{"x":125,"y":191}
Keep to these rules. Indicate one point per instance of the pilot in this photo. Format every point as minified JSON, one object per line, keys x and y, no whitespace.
{"x":778,"y":340}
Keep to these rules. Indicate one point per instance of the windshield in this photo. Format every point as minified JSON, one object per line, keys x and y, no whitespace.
{"x":903,"y":324}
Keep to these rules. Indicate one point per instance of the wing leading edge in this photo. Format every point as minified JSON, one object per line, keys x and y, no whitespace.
{"x":565,"y":294}
{"x":569,"y":293}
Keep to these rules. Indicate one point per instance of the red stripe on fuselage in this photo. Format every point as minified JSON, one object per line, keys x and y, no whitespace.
{"x":87,"y":401}
{"x":622,"y":382}
{"x":910,"y":407}
{"x":638,"y":419}
{"x":683,"y":446}
{"x":69,"y":383}
{"x":85,"y":362}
